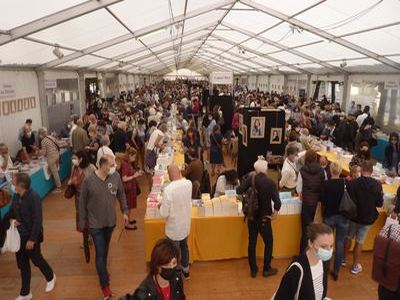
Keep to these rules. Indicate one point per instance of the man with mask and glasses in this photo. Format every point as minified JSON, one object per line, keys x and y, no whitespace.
{"x":99,"y":192}
{"x":26,"y":210}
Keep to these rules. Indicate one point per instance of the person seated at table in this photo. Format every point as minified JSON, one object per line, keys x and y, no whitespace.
{"x":305,"y":139}
{"x":307,"y":276}
{"x":164,"y":281}
{"x":289,"y":171}
{"x":228,"y":180}
{"x":363,"y":153}
{"x":28,"y":124}
{"x":392,"y":154}
{"x":28,"y":144}
{"x":194,"y":172}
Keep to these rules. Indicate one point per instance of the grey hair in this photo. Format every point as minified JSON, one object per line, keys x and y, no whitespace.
{"x":261,"y":166}
{"x":42,"y":131}
{"x":163,"y":127}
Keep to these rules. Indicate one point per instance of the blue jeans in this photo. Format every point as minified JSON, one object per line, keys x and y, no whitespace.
{"x":184,"y":250}
{"x":341,"y":225}
{"x":101,"y":239}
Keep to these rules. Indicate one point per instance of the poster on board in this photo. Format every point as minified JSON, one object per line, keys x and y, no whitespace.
{"x":244,"y":135}
{"x":257,"y":128}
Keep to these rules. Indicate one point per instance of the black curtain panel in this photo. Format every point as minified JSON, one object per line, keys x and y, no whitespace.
{"x":270,"y":138}
{"x":226,"y":103}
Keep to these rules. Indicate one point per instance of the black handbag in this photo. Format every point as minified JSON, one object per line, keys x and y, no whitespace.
{"x":70,"y":191}
{"x":347,"y":207}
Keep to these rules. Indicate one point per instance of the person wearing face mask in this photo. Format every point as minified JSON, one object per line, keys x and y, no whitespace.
{"x":392,"y":154}
{"x":306,"y":277}
{"x":99,"y":192}
{"x":81,"y":169}
{"x":26,"y":210}
{"x":164,"y":280}
{"x":289,"y":171}
{"x":363,"y":153}
{"x":125,"y":165}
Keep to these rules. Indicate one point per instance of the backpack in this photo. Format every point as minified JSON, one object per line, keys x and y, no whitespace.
{"x":250,"y":200}
{"x":386,"y":263}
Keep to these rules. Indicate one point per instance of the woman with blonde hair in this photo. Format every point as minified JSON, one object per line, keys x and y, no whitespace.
{"x":128,"y":175}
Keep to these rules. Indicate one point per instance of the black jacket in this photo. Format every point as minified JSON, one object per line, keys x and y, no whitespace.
{"x":147,"y":290}
{"x":397,"y":206}
{"x":332,"y":193}
{"x":289,"y":283}
{"x":27,"y":210}
{"x":367,"y":194}
{"x":313,"y":177}
{"x":267,"y":191}
{"x":388,"y":160}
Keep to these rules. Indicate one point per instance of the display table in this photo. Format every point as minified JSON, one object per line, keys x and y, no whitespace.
{"x":39,"y":182}
{"x":215,"y":238}
{"x":226,"y":237}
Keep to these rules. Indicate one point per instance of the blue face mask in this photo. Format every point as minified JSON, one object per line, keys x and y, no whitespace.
{"x":324,"y":254}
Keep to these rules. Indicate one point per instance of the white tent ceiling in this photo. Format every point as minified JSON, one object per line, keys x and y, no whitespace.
{"x":244,"y":36}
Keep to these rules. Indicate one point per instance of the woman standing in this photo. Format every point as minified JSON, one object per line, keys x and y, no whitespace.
{"x":94,"y":144}
{"x":392,"y":154}
{"x":81,"y":168}
{"x":306,"y":277}
{"x":191,"y":145}
{"x":216,"y":158}
{"x":363,"y":153}
{"x":128,"y":175}
{"x":332,"y":193}
{"x":139,"y":139}
{"x":164,"y":280}
{"x":309,"y":187}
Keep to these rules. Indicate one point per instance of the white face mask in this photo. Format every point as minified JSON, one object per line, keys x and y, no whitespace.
{"x":112,"y":170}
{"x":75,"y":162}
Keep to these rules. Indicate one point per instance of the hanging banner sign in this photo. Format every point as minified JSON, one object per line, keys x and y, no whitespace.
{"x":50,"y":84}
{"x":7,"y":90}
{"x":221,"y":78}
{"x":391,"y":85}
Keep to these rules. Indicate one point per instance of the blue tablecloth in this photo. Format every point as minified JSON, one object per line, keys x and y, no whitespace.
{"x":378,"y":152}
{"x":43,"y":186}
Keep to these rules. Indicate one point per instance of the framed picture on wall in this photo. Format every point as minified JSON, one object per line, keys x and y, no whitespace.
{"x":257,"y":129}
{"x":244,"y":135}
{"x":276,"y":136}
{"x":240,"y":123}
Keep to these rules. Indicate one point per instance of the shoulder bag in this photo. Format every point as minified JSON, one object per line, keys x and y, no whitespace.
{"x":347,"y":207}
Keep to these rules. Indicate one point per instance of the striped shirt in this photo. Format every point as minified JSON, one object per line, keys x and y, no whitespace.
{"x":317,"y":273}
{"x":50,"y":146}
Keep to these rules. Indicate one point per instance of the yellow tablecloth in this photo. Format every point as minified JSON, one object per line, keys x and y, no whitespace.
{"x":214,"y":238}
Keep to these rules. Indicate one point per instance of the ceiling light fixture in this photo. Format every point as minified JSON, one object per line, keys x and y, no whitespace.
{"x":57,"y":52}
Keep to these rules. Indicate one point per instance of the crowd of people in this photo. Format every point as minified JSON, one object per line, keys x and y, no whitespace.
{"x":116,"y":143}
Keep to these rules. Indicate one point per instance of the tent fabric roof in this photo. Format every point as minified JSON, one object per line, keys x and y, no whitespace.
{"x":243,"y":36}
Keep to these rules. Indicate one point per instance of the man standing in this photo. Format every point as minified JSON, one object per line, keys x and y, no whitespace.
{"x":79,"y":137}
{"x":360,"y":118}
{"x":27,"y":211}
{"x":51,"y":151}
{"x":176,"y":207}
{"x":266,"y":191}
{"x":367,"y":194}
{"x":96,"y":209}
